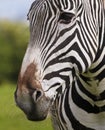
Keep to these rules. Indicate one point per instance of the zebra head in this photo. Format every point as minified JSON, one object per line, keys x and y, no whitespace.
{"x":50,"y":63}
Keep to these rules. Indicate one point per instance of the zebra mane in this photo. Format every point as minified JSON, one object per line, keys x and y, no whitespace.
{"x":34,"y":5}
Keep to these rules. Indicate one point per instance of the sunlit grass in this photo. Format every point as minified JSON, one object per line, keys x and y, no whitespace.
{"x":11,"y":117}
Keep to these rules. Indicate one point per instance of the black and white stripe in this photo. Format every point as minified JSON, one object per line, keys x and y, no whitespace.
{"x":68,"y":43}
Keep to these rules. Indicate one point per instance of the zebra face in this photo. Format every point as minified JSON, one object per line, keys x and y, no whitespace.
{"x":40,"y":79}
{"x":53,"y":55}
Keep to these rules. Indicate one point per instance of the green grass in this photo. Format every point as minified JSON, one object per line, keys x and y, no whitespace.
{"x":12,"y":118}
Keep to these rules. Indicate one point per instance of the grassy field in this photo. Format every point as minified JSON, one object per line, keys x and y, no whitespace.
{"x":12,"y":118}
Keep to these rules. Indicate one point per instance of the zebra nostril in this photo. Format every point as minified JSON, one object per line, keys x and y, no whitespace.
{"x":37,"y":95}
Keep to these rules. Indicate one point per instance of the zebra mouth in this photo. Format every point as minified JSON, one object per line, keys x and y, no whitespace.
{"x":36,"y":117}
{"x":39,"y":110}
{"x":35,"y":110}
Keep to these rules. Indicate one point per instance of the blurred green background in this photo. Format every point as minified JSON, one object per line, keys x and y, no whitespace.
{"x":13,"y":40}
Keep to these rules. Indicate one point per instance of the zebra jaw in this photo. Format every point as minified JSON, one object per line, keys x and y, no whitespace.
{"x":30,"y":97}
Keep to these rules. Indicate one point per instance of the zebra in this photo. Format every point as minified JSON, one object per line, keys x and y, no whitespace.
{"x":63,"y":70}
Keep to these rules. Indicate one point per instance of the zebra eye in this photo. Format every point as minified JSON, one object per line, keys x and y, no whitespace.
{"x":66,"y":17}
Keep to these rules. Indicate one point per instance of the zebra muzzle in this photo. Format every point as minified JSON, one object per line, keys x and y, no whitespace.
{"x":35,"y":105}
{"x":40,"y":106}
